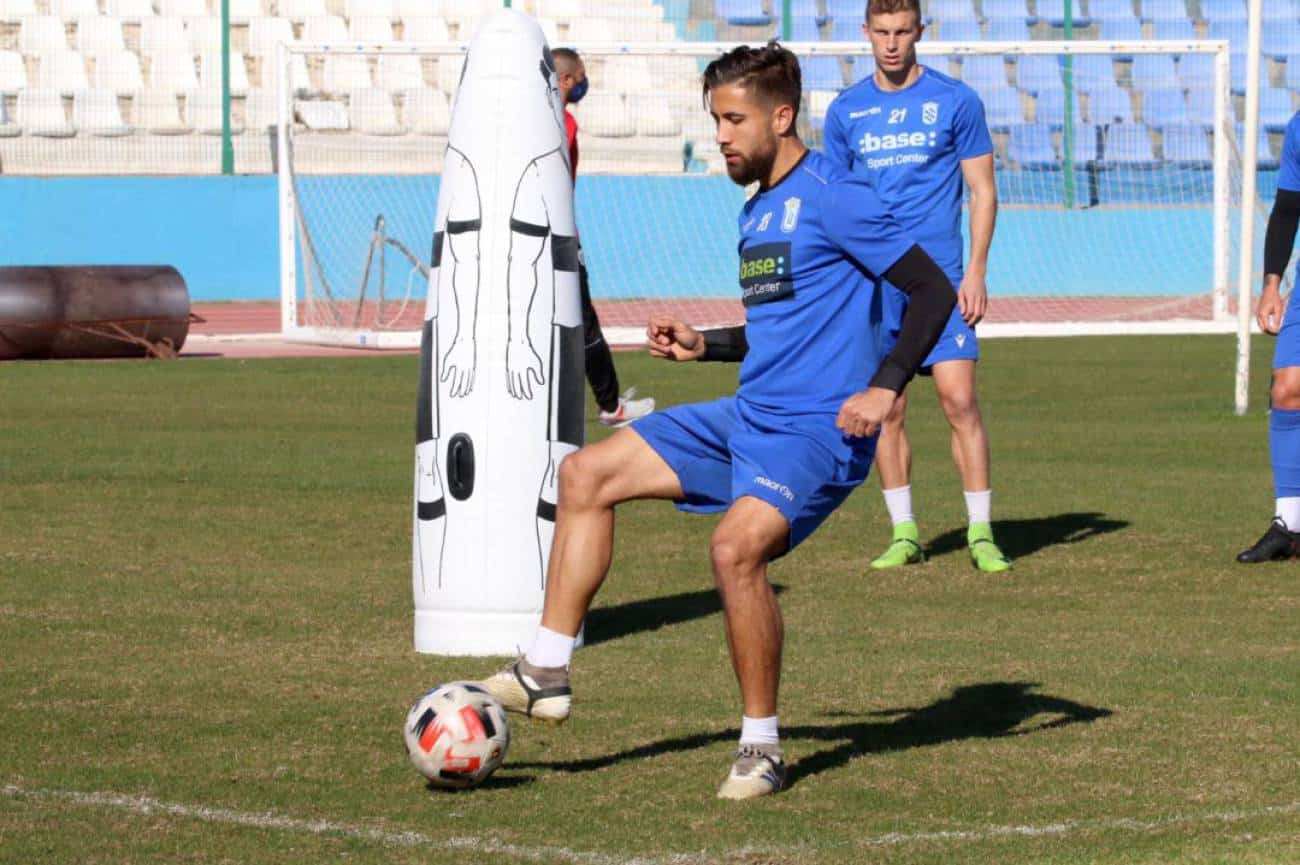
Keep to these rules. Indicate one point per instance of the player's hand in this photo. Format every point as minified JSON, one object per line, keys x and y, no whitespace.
{"x":671,"y":339}
{"x":1269,"y":312}
{"x":863,"y":413}
{"x":972,"y":297}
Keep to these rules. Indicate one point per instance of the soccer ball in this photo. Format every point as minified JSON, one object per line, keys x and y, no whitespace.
{"x":457,"y":735}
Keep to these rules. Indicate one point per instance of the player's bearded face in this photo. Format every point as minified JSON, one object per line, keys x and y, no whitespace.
{"x":893,"y":38}
{"x":746,"y":133}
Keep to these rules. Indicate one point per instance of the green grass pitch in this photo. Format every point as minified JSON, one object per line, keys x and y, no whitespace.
{"x":205,"y":636}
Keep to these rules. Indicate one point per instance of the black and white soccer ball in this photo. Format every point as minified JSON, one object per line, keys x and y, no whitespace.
{"x":457,"y":735}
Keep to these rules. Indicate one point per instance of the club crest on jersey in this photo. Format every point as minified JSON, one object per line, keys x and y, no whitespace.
{"x":765,"y":221}
{"x":791,"y":218}
{"x":930,"y":113}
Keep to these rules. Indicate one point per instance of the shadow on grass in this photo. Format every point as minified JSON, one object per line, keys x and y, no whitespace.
{"x":990,"y":710}
{"x":651,"y":614}
{"x":1020,"y":538}
{"x":493,"y":782}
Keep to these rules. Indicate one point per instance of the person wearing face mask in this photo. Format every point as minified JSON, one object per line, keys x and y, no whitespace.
{"x":615,"y":409}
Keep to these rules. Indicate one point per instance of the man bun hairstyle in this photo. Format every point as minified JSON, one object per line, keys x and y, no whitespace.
{"x":770,"y":72}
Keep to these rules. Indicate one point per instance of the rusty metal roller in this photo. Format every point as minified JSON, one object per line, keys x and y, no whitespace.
{"x":87,"y":312}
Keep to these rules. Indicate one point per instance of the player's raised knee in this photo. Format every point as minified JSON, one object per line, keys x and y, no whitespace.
{"x":582,"y":477}
{"x":734,"y":551}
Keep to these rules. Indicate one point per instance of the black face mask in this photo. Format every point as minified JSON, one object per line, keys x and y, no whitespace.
{"x":577,"y":91}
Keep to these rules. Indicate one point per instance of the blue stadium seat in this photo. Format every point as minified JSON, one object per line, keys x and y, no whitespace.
{"x":983,"y":70}
{"x":1277,"y":41}
{"x":1053,"y":11}
{"x":939,"y":62}
{"x":847,"y":30}
{"x":1163,"y":10}
{"x":742,"y":12}
{"x":1154,"y":70}
{"x":1237,"y":68}
{"x":822,"y":73}
{"x":1164,"y":106}
{"x":1128,"y":144}
{"x":1200,"y":108}
{"x":1092,"y":71}
{"x":1293,"y":71}
{"x":1282,"y":13}
{"x":1187,"y":145}
{"x":1223,"y":10}
{"x":864,"y":65}
{"x":1085,"y":143}
{"x":960,"y":31}
{"x":1110,"y":10}
{"x":1030,"y":146}
{"x":804,"y":30}
{"x":847,"y":9}
{"x":1174,"y":28}
{"x":1002,"y":107}
{"x":1110,"y":105}
{"x":1121,"y":29}
{"x":994,"y":9}
{"x":1051,"y":109}
{"x":1196,"y":70}
{"x":1275,"y":108}
{"x":1007,"y":30}
{"x":1263,"y":153}
{"x":944,"y":11}
{"x":1233,"y":31}
{"x":799,"y":9}
{"x":1037,"y":74}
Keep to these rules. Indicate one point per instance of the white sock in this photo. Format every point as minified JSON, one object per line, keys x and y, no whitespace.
{"x":758,"y":731}
{"x":979,"y":506}
{"x":1289,"y":510}
{"x":550,"y":649}
{"x":898,"y":502}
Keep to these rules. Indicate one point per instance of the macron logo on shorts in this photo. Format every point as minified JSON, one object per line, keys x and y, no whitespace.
{"x":785,"y":491}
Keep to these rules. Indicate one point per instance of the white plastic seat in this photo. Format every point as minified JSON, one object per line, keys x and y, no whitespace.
{"x":71,"y":10}
{"x":99,"y":34}
{"x":398,"y":72}
{"x":418,"y":8}
{"x":627,"y":75}
{"x":129,"y":10}
{"x":324,"y":28}
{"x":42,"y":34}
{"x":203,"y":112}
{"x":161,"y":34}
{"x":203,"y":35}
{"x":63,"y":71}
{"x":346,"y":72}
{"x":172,"y":71}
{"x":449,"y":74}
{"x":118,"y":72}
{"x":323,"y":115}
{"x":300,"y":75}
{"x":372,"y":112}
{"x":210,"y":73}
{"x":13,"y":11}
{"x":301,"y":10}
{"x":40,"y":112}
{"x":265,"y":33}
{"x":605,"y":116}
{"x":156,"y":111}
{"x":424,"y":29}
{"x":656,"y":118}
{"x":244,"y":11}
{"x":426,"y":111}
{"x":95,"y":112}
{"x":260,"y":111}
{"x":8,"y":129}
{"x":590,"y":30}
{"x":371,"y":8}
{"x":13,"y":72}
{"x":370,"y":29}
{"x":183,"y":8}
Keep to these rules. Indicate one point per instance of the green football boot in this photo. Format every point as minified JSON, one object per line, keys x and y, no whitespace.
{"x":904,"y":549}
{"x":984,"y":553}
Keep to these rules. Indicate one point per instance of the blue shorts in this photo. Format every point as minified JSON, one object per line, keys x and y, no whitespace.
{"x":957,"y":342}
{"x":801,"y":465}
{"x":1287,"y":351}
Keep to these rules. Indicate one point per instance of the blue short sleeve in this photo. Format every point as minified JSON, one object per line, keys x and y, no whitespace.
{"x":969,"y":130}
{"x":1288,"y":177}
{"x":835,"y":138}
{"x":857,"y":221}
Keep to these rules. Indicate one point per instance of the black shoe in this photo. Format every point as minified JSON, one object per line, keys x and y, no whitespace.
{"x":1277,"y":543}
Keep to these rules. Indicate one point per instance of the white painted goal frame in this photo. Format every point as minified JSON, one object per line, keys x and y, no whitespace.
{"x":1222,"y":150}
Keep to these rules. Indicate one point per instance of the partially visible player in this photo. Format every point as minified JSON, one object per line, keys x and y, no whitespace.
{"x":615,"y":409}
{"x":796,"y":438}
{"x":915,"y":134}
{"x":1282,"y":540}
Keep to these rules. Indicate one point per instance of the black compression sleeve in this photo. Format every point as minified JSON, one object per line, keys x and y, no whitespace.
{"x":930,"y":303}
{"x":1280,"y":237}
{"x":725,"y":344}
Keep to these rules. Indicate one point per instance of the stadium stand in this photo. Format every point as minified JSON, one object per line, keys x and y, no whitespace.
{"x":1030,"y":145}
{"x":1186,"y":146}
{"x":1109,"y":104}
{"x":1129,"y":144}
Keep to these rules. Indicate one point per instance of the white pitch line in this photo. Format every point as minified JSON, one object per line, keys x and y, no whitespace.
{"x":145,"y":805}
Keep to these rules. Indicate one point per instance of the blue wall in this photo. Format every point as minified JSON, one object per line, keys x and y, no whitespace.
{"x":221,"y":233}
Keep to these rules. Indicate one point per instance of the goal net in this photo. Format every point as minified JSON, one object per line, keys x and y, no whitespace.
{"x":1118,"y":169}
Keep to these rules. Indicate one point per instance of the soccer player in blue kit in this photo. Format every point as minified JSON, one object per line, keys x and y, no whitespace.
{"x":1282,"y":540}
{"x":915,"y":134}
{"x":797,"y":437}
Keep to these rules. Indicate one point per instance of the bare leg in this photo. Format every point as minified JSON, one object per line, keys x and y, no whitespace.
{"x":893,"y":450}
{"x":955,"y":382}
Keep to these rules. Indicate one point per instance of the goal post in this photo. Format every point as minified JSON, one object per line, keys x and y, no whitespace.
{"x":1116,"y":217}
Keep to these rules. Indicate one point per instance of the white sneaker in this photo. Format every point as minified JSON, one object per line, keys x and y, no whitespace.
{"x":629,"y":409}
{"x":538,"y":692}
{"x":759,"y":770}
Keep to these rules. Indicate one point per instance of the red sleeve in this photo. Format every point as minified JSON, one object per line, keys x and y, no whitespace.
{"x":571,"y":129}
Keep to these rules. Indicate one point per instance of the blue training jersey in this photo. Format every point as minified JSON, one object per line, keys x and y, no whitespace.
{"x":1288,"y":177}
{"x":909,"y":144}
{"x":811,"y":247}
